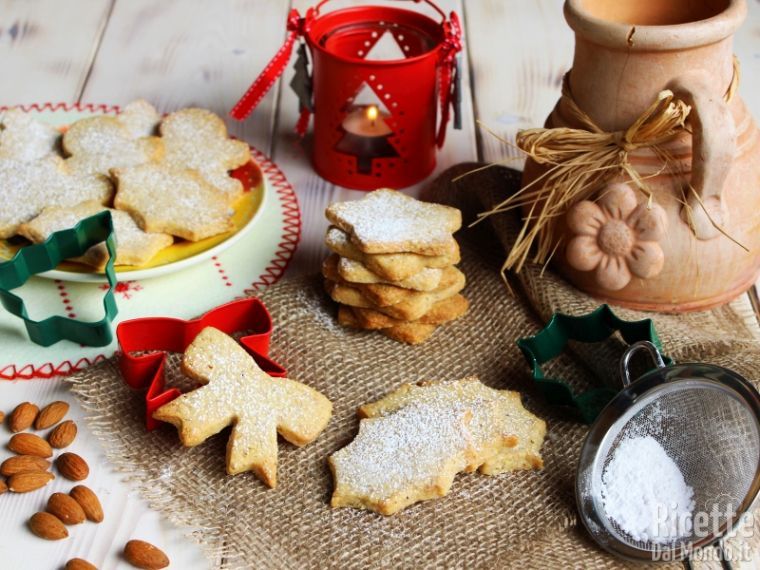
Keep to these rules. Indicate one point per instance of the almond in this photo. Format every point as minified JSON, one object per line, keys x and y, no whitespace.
{"x":65,"y":508}
{"x":79,"y":564}
{"x":63,"y":434}
{"x":141,"y":554}
{"x":30,"y":444}
{"x":2,"y":416}
{"x":89,"y":502}
{"x":3,"y":486}
{"x":22,"y":417}
{"x":51,"y":415}
{"x":19,"y":463}
{"x":72,"y":466}
{"x":47,"y":526}
{"x":25,"y":482}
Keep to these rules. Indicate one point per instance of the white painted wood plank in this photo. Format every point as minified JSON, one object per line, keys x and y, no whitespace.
{"x":126,"y":515}
{"x":314,"y":193}
{"x":519,"y":52}
{"x":46,"y":48}
{"x":179,"y":53}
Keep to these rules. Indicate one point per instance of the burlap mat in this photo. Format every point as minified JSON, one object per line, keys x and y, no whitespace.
{"x":524,"y":519}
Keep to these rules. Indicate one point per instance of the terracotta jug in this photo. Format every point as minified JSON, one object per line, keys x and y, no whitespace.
{"x":661,"y":255}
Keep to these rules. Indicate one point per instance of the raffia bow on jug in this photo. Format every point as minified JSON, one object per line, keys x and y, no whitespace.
{"x":581,"y":160}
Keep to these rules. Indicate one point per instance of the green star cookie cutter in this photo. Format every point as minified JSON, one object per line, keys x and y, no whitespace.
{"x":596,"y":326}
{"x":45,"y":256}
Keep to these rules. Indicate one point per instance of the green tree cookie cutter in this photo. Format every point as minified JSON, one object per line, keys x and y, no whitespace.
{"x":45,"y":256}
{"x":593,"y":327}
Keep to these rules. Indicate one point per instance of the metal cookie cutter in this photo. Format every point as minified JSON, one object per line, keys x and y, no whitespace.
{"x":593,"y":327}
{"x":707,"y":419}
{"x":45,"y":256}
{"x":158,"y":335}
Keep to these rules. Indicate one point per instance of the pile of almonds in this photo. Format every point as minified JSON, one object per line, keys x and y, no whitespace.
{"x":29,"y":470}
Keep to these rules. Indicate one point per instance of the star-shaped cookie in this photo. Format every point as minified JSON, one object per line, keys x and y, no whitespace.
{"x":133,"y":245}
{"x":413,"y":442}
{"x":197,"y":139}
{"x":387,"y":221}
{"x":237,"y":392}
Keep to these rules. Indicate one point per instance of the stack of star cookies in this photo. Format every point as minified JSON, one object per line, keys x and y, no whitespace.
{"x":393,"y":265}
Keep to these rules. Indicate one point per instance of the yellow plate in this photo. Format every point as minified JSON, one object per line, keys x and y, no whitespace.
{"x":182,"y":253}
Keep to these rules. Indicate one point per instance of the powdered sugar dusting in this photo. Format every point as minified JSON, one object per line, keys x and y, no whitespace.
{"x":173,"y":201}
{"x":387,"y":221}
{"x":28,"y":187}
{"x":238,"y":392}
{"x":417,"y":438}
{"x":197,"y":139}
{"x":644,"y":492}
{"x":133,"y":245}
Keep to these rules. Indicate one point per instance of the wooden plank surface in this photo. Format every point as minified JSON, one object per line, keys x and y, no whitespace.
{"x":47,"y":48}
{"x":180,"y":53}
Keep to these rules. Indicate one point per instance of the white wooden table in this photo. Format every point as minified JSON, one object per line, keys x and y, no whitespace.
{"x":177,"y":53}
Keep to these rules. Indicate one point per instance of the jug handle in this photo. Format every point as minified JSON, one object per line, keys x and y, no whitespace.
{"x":713,"y":148}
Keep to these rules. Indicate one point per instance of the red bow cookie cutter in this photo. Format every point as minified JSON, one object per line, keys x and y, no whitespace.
{"x":159,"y":335}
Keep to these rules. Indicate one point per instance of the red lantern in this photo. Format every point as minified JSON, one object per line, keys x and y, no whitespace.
{"x":379,"y":76}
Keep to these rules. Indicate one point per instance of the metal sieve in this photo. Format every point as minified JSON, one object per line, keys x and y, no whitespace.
{"x":707,"y":419}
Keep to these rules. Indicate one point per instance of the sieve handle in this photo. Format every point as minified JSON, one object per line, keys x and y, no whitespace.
{"x":645,"y":345}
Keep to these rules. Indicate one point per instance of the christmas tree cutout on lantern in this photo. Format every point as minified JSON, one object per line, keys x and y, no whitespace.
{"x":386,"y":48}
{"x":365,"y":131}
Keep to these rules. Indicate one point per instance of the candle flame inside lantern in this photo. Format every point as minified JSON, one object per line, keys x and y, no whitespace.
{"x":372,"y":113}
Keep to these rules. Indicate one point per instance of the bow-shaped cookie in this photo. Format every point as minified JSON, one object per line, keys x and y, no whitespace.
{"x":155,"y":336}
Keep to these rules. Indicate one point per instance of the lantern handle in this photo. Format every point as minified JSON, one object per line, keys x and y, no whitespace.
{"x":430,"y":3}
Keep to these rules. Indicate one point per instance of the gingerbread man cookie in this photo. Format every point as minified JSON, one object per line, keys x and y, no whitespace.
{"x":98,"y":144}
{"x":197,"y":139}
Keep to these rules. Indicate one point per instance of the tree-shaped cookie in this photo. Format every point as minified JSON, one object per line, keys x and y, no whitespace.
{"x":413,"y":442}
{"x":237,"y":392}
{"x":197,"y":139}
{"x":98,"y":144}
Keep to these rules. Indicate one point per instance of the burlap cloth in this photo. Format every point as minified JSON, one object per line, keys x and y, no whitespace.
{"x":524,"y":519}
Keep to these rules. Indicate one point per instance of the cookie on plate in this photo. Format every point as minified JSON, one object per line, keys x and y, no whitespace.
{"x":235,"y":391}
{"x":172,"y":200}
{"x":197,"y":139}
{"x":412,"y":443}
{"x":133,"y":245}
{"x":388,"y":221}
{"x":24,"y":139}
{"x":98,"y":144}
{"x":26,"y":188}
